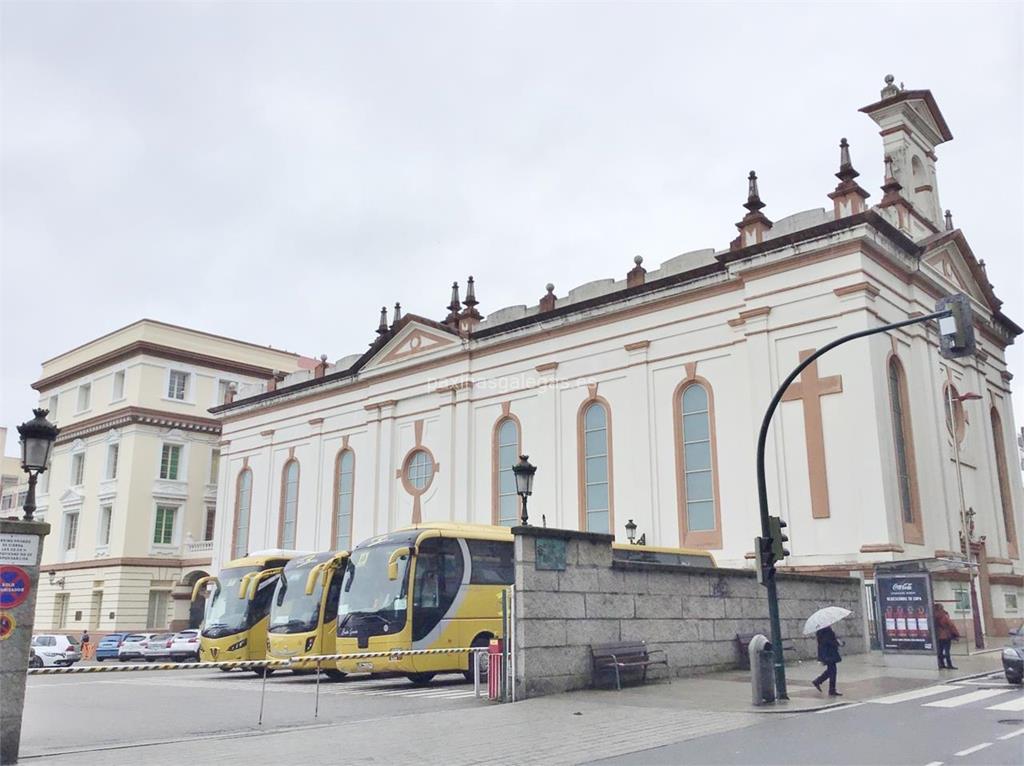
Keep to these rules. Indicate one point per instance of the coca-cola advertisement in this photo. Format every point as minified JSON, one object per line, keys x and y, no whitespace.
{"x":905,"y":608}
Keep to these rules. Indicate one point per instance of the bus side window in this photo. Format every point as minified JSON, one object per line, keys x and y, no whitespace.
{"x":492,"y":562}
{"x":333,"y":596}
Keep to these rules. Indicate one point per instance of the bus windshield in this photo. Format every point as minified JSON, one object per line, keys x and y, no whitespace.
{"x":370,"y":602}
{"x":227,"y":613}
{"x":292,"y":610}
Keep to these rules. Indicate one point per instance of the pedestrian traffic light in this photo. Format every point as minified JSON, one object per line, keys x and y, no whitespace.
{"x":775,"y":527}
{"x":956,"y":332}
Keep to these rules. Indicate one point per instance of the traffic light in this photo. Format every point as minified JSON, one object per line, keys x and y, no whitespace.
{"x":763,"y":551}
{"x":775,"y":527}
{"x":956,"y":332}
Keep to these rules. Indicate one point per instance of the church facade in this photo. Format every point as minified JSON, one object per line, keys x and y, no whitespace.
{"x":640,"y":399}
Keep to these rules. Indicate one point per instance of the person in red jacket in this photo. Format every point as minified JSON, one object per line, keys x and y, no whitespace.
{"x":946,"y":633}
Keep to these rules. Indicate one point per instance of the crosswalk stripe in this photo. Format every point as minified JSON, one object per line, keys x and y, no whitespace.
{"x":929,"y":691}
{"x":966,"y":699}
{"x":974,"y":749}
{"x":1014,"y":705}
{"x":1012,"y":734}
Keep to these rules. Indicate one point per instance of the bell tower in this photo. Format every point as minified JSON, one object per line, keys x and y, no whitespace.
{"x":911,"y":127}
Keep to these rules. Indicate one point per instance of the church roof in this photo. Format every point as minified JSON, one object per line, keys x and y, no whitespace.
{"x":915,"y":95}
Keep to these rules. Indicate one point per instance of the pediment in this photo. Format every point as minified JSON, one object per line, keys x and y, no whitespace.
{"x":411,"y":341}
{"x":71,"y":497}
{"x":958,"y":270}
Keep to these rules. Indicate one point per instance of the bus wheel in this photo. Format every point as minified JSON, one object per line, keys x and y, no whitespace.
{"x":421,"y":679}
{"x":225,"y":670}
{"x":261,"y":672}
{"x":483,"y":639}
{"x":334,"y":674}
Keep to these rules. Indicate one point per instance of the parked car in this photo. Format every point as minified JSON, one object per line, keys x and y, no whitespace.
{"x":56,"y":649}
{"x":34,"y":661}
{"x":131,"y":646}
{"x":107,"y":648}
{"x":157,"y":647}
{"x":185,"y":646}
{"x":1013,"y":656}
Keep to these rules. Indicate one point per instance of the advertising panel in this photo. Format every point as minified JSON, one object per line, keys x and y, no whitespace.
{"x":905,"y":607}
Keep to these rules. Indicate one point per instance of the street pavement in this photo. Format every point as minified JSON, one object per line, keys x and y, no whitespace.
{"x":917,"y":717}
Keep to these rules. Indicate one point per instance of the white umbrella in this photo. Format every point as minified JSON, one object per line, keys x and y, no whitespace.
{"x":829,"y":615}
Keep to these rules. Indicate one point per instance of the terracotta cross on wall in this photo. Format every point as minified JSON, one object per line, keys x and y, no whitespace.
{"x":809,"y":389}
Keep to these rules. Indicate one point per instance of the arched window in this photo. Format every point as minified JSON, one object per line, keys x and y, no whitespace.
{"x":344,"y":486}
{"x":1004,"y":482}
{"x":954,"y":414}
{"x":289,"y":504}
{"x":506,"y":453}
{"x":595,"y":473}
{"x":696,"y":464}
{"x":902,"y":435}
{"x":243,"y":504}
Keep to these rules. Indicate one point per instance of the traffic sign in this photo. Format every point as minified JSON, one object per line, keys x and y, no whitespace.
{"x":7,"y":626}
{"x":15,"y":586}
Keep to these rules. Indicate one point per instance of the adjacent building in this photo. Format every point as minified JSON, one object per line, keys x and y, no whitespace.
{"x":131,"y":492}
{"x":640,"y":398}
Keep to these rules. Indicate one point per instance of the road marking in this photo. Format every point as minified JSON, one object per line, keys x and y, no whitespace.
{"x":966,"y":699}
{"x":1014,"y":705}
{"x":974,"y":749}
{"x":929,"y":691}
{"x":934,"y":763}
{"x":1012,"y":734}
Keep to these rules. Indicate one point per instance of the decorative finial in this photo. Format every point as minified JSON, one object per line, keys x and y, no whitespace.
{"x":397,"y":315}
{"x":323,"y":358}
{"x":454,"y":307}
{"x":753,"y":203}
{"x":638,"y":274}
{"x":638,"y":260}
{"x":890,"y":89}
{"x":471,"y":300}
{"x":549,"y":287}
{"x":547,"y":303}
{"x":382,"y":326}
{"x":888,"y":169}
{"x":949,"y":221}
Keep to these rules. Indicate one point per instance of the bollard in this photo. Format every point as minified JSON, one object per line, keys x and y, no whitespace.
{"x":494,"y":670}
{"x":761,"y":668}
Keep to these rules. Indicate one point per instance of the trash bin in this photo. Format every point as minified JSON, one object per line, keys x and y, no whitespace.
{"x":762,"y":675}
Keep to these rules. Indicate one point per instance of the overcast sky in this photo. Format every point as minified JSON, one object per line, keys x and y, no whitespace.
{"x":276,"y":172}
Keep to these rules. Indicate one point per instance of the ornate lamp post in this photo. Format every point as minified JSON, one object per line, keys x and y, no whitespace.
{"x":631,"y":534}
{"x":524,"y":472}
{"x":37,"y":438}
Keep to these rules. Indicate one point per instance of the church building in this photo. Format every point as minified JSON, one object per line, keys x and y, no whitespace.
{"x":639,"y":399}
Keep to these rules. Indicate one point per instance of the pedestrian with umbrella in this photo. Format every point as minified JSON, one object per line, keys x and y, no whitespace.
{"x":820,"y":623}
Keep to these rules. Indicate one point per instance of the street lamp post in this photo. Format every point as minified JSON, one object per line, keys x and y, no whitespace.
{"x":524,"y":472}
{"x":37,"y":438}
{"x":631,"y":534}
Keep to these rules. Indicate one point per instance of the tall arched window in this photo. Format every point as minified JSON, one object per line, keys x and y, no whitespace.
{"x":506,"y":453}
{"x":1004,"y":482}
{"x":344,"y":487}
{"x":956,"y":420}
{"x":595,"y":473}
{"x":289,"y":504}
{"x":243,"y":504}
{"x":696,"y":464}
{"x":902,"y":435}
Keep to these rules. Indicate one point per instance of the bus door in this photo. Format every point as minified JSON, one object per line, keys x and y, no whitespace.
{"x":437,"y":585}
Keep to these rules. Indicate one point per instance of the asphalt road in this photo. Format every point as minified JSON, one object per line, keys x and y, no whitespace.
{"x":76,"y":713}
{"x":972,"y":722}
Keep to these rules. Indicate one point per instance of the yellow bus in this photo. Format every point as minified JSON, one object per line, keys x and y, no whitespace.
{"x":235,"y":626}
{"x":438,"y":586}
{"x":304,"y":610}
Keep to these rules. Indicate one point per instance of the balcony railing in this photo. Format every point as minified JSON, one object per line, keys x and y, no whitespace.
{"x":199,"y":546}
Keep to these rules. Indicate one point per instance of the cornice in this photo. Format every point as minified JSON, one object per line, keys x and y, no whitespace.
{"x":132,"y":415}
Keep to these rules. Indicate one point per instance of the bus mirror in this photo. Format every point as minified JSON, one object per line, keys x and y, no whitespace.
{"x":200,"y":583}
{"x":311,"y":580}
{"x":393,"y":562}
{"x":243,"y":584}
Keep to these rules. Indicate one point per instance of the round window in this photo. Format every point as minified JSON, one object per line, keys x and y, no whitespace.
{"x":419,"y":471}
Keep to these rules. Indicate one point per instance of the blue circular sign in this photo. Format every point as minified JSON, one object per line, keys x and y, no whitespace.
{"x":14,"y":586}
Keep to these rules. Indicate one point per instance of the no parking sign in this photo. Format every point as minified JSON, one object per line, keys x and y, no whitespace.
{"x":14,"y":586}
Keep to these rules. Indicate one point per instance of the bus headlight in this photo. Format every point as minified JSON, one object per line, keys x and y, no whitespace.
{"x":237,"y":645}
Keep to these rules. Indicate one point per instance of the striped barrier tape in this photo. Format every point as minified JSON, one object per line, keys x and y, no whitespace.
{"x":395,"y":654}
{"x":228,"y":664}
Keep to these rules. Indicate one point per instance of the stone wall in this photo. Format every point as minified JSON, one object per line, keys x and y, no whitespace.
{"x":692,"y":613}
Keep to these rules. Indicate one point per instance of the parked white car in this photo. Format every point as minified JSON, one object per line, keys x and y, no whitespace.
{"x":157,"y":647}
{"x":56,"y":649}
{"x":185,"y":646}
{"x":131,"y":647}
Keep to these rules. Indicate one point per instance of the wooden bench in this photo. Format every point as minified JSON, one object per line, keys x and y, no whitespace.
{"x":613,"y":659}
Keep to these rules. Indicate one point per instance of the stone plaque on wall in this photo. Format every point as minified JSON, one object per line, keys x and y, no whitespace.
{"x":550,"y":553}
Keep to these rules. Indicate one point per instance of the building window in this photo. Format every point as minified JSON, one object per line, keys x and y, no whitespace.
{"x":243,"y":503}
{"x":596,"y":469}
{"x":1005,"y":497}
{"x":170,"y":458}
{"x":53,"y":404}
{"x":156,"y":615}
{"x":7,"y":502}
{"x":957,"y":415}
{"x":1010,"y":601}
{"x":177,"y":385}
{"x":60,"y":610}
{"x":902,"y":435}
{"x":77,"y":469}
{"x":112,"y":454}
{"x":506,"y":453}
{"x":22,"y":497}
{"x":289,"y":504}
{"x":214,"y":465}
{"x":84,"y":396}
{"x":697,"y":468}
{"x":106,"y":513}
{"x":419,"y":470}
{"x":117,"y":392}
{"x":963,"y":599}
{"x":344,"y":492}
{"x":223,"y":387}
{"x":163,"y":529}
{"x":70,"y":531}
{"x":209,"y":524}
